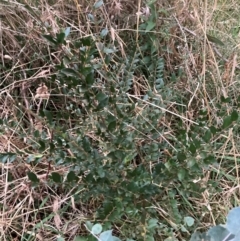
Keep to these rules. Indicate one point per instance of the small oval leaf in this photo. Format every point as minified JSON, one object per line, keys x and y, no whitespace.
{"x":56,"y":177}
{"x":97,"y":229}
{"x":189,"y":221}
{"x":214,"y":40}
{"x":89,"y":225}
{"x":150,"y":26}
{"x":106,"y":235}
{"x":227,"y":122}
{"x":71,"y":176}
{"x":33,"y":177}
{"x":104,"y":32}
{"x":234,"y":115}
{"x":98,"y":4}
{"x":67,"y":31}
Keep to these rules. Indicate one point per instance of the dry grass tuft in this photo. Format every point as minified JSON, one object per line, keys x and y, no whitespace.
{"x":209,"y":71}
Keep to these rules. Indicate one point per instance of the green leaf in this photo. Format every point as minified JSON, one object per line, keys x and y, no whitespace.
{"x":181,"y":174}
{"x":49,"y":116}
{"x":56,"y":177}
{"x":33,"y":157}
{"x":50,"y":39}
{"x":4,"y":157}
{"x":129,"y":157}
{"x":79,"y":238}
{"x":70,"y":72}
{"x":209,"y":160}
{"x":90,"y":79}
{"x":159,"y":83}
{"x":152,"y":223}
{"x":89,"y":225}
{"x":42,"y":146}
{"x":227,"y":122}
{"x":71,"y":176}
{"x":150,"y":25}
{"x":198,"y":236}
{"x":67,"y":31}
{"x":60,"y":38}
{"x":97,"y":229}
{"x":234,"y":115}
{"x":225,"y":100}
{"x":112,"y":126}
{"x":108,"y":51}
{"x":51,"y":147}
{"x":189,"y":221}
{"x":213,"y":130}
{"x":207,"y":136}
{"x":32,"y":177}
{"x":220,"y":233}
{"x":183,"y":229}
{"x":7,"y":156}
{"x":86,"y":144}
{"x":105,"y":97}
{"x":60,"y":239}
{"x":214,"y":40}
{"x":91,"y":17}
{"x":101,"y":172}
{"x":104,"y":32}
{"x":98,"y":4}
{"x":106,"y":235}
{"x":43,"y":202}
{"x":86,"y":41}
{"x":233,"y":220}
{"x":115,"y":238}
{"x":181,"y":156}
{"x":116,"y":154}
{"x":149,"y":238}
{"x":12,"y":157}
{"x":102,"y":99}
{"x":192,"y":148}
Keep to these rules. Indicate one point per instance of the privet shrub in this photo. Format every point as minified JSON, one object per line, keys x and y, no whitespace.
{"x":112,"y":137}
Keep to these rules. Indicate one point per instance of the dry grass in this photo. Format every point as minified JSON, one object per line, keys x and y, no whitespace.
{"x":209,"y":72}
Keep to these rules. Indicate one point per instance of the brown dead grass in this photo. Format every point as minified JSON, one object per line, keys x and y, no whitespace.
{"x":210,"y":71}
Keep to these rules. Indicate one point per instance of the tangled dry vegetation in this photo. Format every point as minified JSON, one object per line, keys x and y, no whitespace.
{"x":208,"y":70}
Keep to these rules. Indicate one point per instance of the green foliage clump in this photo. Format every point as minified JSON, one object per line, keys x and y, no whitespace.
{"x":107,"y":123}
{"x":118,"y":150}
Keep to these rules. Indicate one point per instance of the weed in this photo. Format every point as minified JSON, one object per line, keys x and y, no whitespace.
{"x":120,"y":114}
